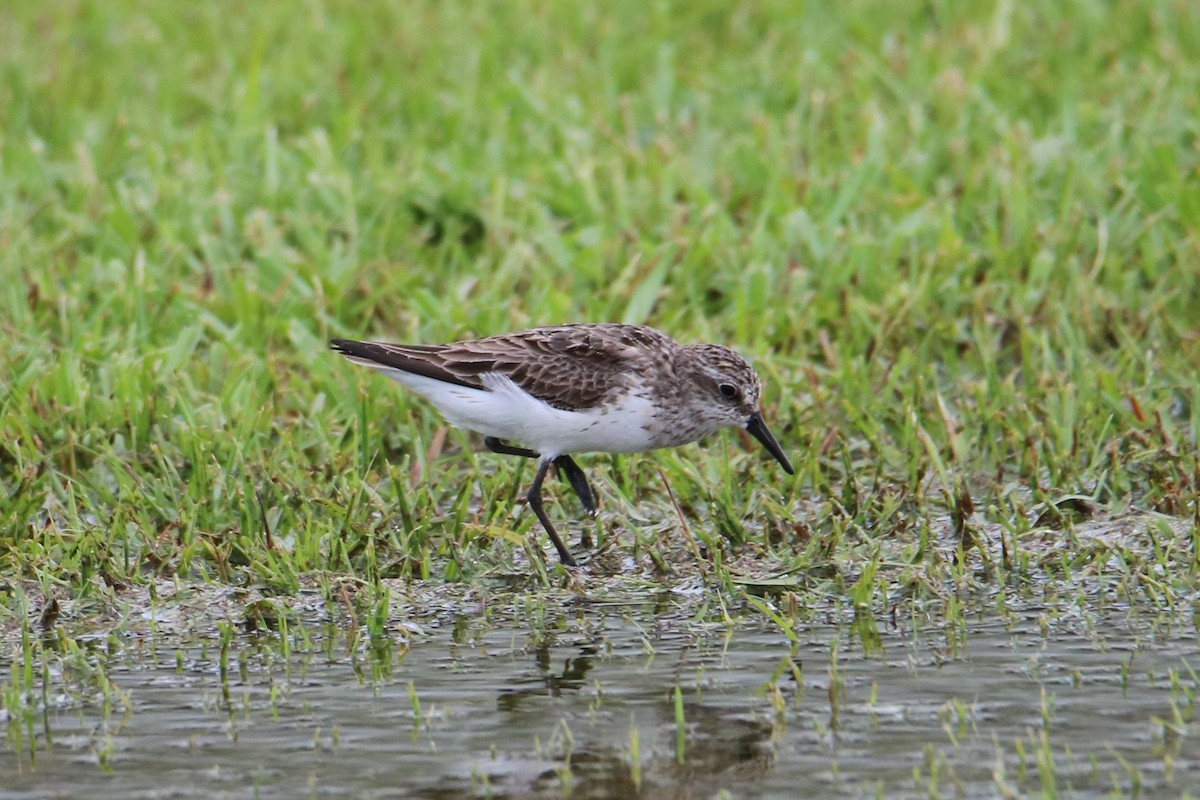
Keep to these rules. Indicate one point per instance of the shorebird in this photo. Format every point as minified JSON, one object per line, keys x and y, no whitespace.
{"x":584,"y":388}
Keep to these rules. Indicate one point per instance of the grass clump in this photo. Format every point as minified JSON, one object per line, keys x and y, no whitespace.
{"x":959,"y":241}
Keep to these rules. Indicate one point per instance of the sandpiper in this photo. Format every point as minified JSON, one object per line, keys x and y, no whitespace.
{"x":581,"y":388}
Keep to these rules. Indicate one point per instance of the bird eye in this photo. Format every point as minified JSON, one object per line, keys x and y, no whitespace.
{"x":728,"y":391}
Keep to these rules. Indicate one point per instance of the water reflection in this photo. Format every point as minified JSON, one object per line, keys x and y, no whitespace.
{"x":615,"y":701}
{"x":570,"y":677}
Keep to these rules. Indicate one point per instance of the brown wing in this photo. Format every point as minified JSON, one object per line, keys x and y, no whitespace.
{"x":568,"y":366}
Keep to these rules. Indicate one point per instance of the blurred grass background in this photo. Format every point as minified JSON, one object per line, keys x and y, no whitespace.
{"x":958,"y":239}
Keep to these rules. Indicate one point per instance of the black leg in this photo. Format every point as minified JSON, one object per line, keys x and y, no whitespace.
{"x":535,"y":502}
{"x":574,"y":475}
{"x":566,"y":465}
{"x":497,"y":446}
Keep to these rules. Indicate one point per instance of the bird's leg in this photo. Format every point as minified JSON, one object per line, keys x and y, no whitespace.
{"x":535,"y":502}
{"x":579,"y":482}
{"x":566,"y":465}
{"x":497,"y":446}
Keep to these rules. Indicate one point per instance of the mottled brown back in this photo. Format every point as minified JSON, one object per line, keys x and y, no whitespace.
{"x":568,"y":366}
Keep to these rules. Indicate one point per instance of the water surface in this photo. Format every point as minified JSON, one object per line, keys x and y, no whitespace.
{"x":583,"y":704}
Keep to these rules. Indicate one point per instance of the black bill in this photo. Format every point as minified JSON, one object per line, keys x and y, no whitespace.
{"x":758,"y":429}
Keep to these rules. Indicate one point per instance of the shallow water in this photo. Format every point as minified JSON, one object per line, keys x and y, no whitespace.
{"x":559,"y":707}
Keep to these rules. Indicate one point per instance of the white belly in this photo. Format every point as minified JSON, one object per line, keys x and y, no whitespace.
{"x":506,"y":411}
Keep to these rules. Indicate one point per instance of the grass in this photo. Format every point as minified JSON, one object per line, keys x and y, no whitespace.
{"x":961,"y":249}
{"x":958,"y":240}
